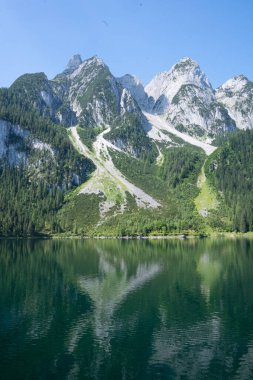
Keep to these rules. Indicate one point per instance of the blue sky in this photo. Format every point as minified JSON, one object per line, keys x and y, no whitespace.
{"x":141,"y":37}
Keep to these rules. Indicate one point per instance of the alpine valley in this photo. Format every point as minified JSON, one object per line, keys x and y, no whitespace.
{"x":90,"y":154}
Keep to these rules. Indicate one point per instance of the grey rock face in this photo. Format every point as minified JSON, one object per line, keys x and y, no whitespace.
{"x":236,"y":95}
{"x":73,"y":63}
{"x":185,"y":97}
{"x":136,"y":88}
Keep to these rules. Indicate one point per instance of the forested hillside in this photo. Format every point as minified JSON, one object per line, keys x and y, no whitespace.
{"x":32,"y":191}
{"x":230,"y":169}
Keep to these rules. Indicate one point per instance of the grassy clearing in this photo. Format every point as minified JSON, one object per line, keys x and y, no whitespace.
{"x":207,"y":198}
{"x":113,"y":190}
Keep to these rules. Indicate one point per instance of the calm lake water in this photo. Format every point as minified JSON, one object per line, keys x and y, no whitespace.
{"x":126,"y":309}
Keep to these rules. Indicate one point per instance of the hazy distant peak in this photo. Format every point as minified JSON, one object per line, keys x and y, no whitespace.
{"x":131,"y":79}
{"x":74,"y":62}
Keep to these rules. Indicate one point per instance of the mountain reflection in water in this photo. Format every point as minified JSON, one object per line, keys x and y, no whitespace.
{"x":126,"y":309}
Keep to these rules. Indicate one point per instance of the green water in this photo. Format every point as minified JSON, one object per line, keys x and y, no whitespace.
{"x":126,"y":309}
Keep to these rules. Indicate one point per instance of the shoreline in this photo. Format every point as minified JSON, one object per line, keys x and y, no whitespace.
{"x":161,"y":237}
{"x":218,"y":235}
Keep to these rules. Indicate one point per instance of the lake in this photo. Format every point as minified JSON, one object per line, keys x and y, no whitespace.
{"x":126,"y":309}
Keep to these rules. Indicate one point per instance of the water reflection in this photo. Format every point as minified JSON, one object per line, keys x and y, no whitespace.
{"x":189,"y":352}
{"x":133,"y":310}
{"x":108,"y":290}
{"x":245,"y":368}
{"x":210,"y":271}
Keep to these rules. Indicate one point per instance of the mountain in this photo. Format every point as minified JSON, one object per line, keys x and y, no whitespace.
{"x":167,"y":84}
{"x":92,"y":154}
{"x":184,"y":96}
{"x":236,"y":95}
{"x":85,"y":93}
{"x":92,"y":92}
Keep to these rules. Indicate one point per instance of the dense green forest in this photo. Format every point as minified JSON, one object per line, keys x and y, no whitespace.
{"x":30,"y":195}
{"x":27,"y":207}
{"x":230,"y":169}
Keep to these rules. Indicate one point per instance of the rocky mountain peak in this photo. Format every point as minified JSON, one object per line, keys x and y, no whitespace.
{"x":96,"y":60}
{"x":190,"y":71}
{"x":184,"y":64}
{"x":92,"y":63}
{"x":168,"y":83}
{"x":131,"y":79}
{"x":236,"y":95}
{"x":235,"y":84}
{"x":74,"y":62}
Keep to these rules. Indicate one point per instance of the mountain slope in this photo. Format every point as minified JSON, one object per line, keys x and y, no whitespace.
{"x":196,"y":112}
{"x":106,"y":169}
{"x":45,"y":96}
{"x":184,"y":96}
{"x":113,"y":211}
{"x":128,"y":133}
{"x":160,"y":124}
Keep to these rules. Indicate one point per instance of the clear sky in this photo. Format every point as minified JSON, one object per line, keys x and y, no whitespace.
{"x":141,"y":37}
